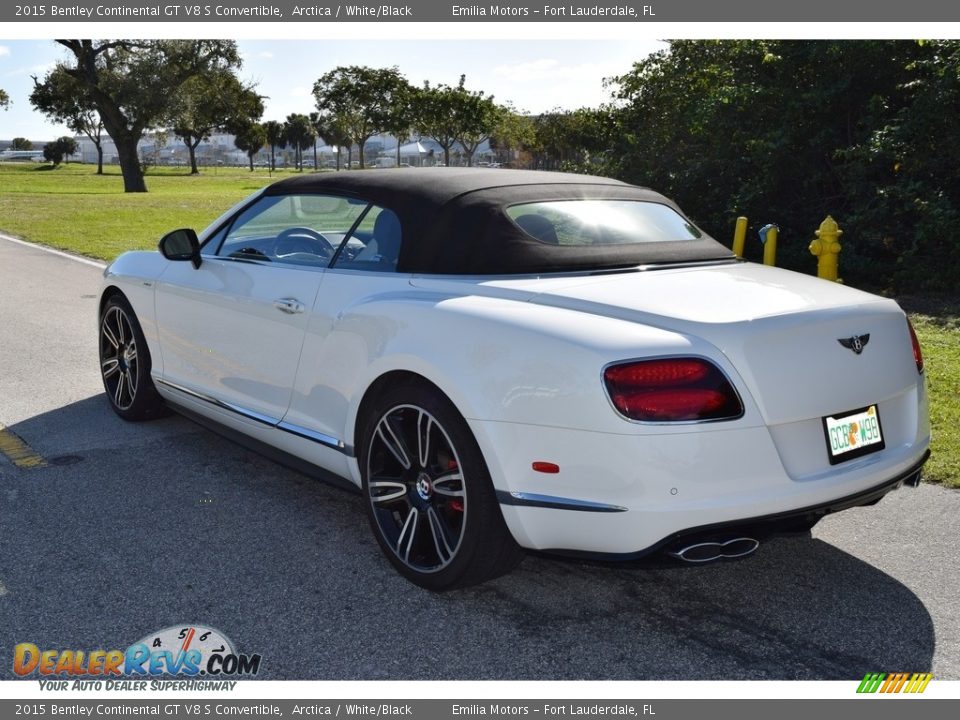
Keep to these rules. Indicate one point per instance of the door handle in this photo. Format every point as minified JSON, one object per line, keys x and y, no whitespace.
{"x":291,"y":306}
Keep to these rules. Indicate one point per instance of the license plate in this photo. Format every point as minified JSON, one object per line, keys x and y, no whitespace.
{"x":853,"y":434}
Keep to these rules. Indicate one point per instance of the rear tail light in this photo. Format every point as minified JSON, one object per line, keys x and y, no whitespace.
{"x":672,"y":390}
{"x":917,"y":353}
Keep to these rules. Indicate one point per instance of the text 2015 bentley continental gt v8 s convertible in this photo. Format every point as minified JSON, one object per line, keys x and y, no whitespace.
{"x":504,"y":359}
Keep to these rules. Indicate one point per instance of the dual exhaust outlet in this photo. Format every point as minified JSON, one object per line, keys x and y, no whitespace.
{"x":710,"y":550}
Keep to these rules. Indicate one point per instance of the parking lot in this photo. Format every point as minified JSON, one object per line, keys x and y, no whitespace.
{"x":125,"y":529}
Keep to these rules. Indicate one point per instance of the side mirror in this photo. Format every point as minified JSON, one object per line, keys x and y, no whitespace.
{"x":181,"y":244}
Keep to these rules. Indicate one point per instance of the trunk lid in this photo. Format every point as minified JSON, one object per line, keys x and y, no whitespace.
{"x":781,"y":330}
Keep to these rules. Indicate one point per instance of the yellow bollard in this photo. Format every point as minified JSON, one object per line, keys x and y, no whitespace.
{"x":770,"y":247}
{"x":827,"y":248}
{"x":739,"y":236}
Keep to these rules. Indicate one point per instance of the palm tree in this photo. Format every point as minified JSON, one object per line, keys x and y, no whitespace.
{"x":300,"y":135}
{"x":276,"y":138}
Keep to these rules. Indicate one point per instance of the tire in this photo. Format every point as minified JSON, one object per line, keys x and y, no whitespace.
{"x":429,"y":497}
{"x":125,"y":363}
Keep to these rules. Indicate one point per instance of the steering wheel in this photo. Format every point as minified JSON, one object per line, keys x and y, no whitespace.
{"x":302,"y":240}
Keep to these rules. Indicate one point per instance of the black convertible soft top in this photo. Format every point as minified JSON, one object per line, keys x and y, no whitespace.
{"x":454,"y":221}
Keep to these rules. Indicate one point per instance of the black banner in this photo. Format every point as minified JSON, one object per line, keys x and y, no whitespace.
{"x":205,"y":707}
{"x":648,"y":11}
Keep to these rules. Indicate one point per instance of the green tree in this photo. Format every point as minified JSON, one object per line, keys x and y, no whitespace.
{"x":332,"y":133}
{"x":212,"y":101}
{"x":789,"y":131}
{"x":21,"y":143}
{"x":360,"y":99}
{"x":437,"y":116}
{"x":570,"y":139}
{"x":476,"y":116}
{"x":300,"y":135}
{"x":131,"y":82}
{"x":251,"y":139}
{"x":400,"y":117}
{"x":64,"y":100}
{"x":276,"y":138}
{"x":513,"y":133}
{"x":4,"y":99}
{"x":59,"y":149}
{"x":158,"y":141}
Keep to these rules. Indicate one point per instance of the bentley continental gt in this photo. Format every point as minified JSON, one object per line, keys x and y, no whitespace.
{"x":505,"y":360}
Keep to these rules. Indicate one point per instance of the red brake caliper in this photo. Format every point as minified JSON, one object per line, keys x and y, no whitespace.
{"x":455,"y":505}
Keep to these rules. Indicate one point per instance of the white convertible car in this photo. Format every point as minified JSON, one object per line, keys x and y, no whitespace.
{"x":506,"y":360}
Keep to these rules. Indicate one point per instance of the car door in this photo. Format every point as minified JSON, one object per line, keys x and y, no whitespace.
{"x":345,"y":334}
{"x":231,"y":331}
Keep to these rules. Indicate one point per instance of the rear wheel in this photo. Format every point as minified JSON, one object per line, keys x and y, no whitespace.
{"x":430,"y":500}
{"x":125,"y":363}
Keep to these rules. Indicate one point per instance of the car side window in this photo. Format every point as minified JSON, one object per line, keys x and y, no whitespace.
{"x":302,"y":230}
{"x":374,"y":245}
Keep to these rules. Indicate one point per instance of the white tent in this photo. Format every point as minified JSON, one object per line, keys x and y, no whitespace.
{"x":412,"y":153}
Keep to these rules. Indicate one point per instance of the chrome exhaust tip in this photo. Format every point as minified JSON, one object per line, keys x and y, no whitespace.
{"x":710,"y":550}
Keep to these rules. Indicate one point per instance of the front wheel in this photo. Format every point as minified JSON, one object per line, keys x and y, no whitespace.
{"x":125,"y":363}
{"x":430,"y":500}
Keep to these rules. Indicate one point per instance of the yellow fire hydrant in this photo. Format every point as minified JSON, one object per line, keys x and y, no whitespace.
{"x":827,"y":249}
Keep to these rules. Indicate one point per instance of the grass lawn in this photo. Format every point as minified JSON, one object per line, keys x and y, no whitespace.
{"x":937,"y":322}
{"x":74,"y":209}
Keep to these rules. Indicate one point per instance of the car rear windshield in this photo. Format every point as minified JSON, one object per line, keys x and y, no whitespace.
{"x":601,"y":222}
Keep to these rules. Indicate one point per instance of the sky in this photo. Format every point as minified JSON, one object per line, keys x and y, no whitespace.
{"x":535,"y":76}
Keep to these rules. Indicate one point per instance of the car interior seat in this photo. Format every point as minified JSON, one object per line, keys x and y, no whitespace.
{"x":539,"y":227}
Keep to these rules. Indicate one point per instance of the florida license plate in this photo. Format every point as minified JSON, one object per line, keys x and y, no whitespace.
{"x":853,"y":434}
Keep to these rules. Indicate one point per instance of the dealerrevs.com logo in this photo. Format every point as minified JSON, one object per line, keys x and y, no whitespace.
{"x":185,"y":651}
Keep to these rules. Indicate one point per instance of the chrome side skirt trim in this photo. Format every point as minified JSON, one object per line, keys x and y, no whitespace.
{"x":321,"y":438}
{"x":553,"y":502}
{"x":303,"y":432}
{"x":249,"y":414}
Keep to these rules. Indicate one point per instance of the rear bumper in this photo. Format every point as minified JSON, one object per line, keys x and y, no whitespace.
{"x":765,"y":525}
{"x":622,"y":496}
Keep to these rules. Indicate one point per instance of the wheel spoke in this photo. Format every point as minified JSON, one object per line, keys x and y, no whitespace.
{"x":110,"y":367}
{"x":407,"y":534}
{"x":108,"y":334}
{"x":120,"y":322}
{"x":118,"y":390}
{"x":424,"y":425}
{"x":442,"y":485}
{"x":393,"y":443}
{"x":440,"y":542}
{"x":382,"y":491}
{"x":131,"y":384}
{"x":131,"y":352}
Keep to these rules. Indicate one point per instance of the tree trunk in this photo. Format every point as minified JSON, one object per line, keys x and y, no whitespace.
{"x":315,"y":166}
{"x":250,"y":158}
{"x":446,"y":156}
{"x":193,"y":157}
{"x":273,"y":162}
{"x":338,"y":158}
{"x":350,"y":158}
{"x":99,"y":159}
{"x":398,"y":152}
{"x":133,"y":180}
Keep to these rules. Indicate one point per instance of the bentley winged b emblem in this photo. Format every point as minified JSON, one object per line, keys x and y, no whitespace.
{"x":856,"y":343}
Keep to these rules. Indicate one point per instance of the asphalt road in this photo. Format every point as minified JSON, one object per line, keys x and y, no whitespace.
{"x":134,"y":528}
